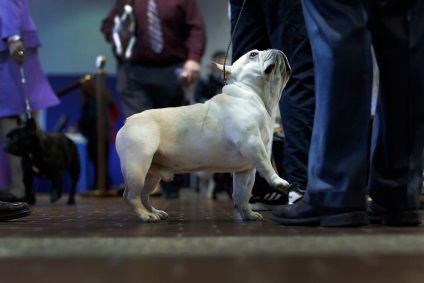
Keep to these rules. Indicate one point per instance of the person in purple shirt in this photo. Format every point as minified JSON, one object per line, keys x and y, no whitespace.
{"x":19,"y":43}
{"x":154,"y":73}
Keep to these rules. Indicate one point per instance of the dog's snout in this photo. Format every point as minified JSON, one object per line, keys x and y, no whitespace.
{"x":287,"y":65}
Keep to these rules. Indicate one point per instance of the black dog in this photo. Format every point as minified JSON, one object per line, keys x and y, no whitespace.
{"x":47,"y":155}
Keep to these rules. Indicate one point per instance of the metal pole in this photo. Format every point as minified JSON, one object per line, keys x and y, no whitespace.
{"x":101,"y":162}
{"x":101,"y":124}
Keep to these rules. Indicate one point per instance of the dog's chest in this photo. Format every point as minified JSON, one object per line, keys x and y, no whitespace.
{"x":40,"y":168}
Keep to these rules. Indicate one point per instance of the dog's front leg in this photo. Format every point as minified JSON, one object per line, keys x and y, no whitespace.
{"x":254,"y":151}
{"x":28,"y":181}
{"x":242,"y":190}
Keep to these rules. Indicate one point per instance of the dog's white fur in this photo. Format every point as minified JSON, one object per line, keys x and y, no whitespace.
{"x":231,"y":132}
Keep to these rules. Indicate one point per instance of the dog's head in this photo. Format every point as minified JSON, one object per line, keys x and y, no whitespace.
{"x":264,"y":72}
{"x":21,"y":141}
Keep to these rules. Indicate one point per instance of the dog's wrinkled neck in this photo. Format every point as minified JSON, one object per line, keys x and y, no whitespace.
{"x":240,"y":90}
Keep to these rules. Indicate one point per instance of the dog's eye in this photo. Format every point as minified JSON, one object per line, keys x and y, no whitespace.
{"x":253,"y":55}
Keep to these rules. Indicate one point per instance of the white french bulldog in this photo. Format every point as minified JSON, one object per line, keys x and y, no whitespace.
{"x":231,"y":132}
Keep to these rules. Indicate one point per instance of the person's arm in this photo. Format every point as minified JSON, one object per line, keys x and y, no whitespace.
{"x":10,"y":17}
{"x":196,"y":42}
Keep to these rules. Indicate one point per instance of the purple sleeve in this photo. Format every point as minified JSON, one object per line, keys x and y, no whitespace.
{"x":10,"y":17}
{"x":15,"y":18}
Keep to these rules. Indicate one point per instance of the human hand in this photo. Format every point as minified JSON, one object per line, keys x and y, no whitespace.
{"x":191,"y":73}
{"x":17,"y":52}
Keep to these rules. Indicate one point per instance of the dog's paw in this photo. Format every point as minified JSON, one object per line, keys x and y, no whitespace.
{"x":280,"y":183}
{"x":252,"y":216}
{"x":147,"y":216}
{"x":161,"y":214}
{"x":54,"y":196}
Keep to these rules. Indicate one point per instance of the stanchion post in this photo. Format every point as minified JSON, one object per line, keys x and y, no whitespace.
{"x":100,"y":86}
{"x":101,"y":190}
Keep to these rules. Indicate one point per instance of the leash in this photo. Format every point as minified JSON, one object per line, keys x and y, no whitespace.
{"x":27,"y":104}
{"x":231,"y":40}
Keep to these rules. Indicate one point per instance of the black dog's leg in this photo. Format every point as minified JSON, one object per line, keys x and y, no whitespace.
{"x":28,"y":181}
{"x":57,"y":187}
{"x":73,"y":190}
{"x":75,"y":171}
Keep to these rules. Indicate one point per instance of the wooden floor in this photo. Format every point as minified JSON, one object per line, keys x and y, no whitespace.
{"x":101,"y":240}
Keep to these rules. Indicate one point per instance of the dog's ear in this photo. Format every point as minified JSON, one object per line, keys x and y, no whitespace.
{"x":221,"y":68}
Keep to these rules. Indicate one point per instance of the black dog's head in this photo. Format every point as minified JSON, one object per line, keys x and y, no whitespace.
{"x":21,"y":141}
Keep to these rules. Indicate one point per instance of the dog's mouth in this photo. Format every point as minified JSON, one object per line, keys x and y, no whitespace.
{"x":269,"y":69}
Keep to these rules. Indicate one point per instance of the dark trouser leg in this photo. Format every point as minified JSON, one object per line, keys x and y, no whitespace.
{"x":133,"y":98}
{"x":16,"y":186}
{"x":396,"y":167}
{"x":287,"y":32}
{"x":250,"y":32}
{"x":338,"y":154}
{"x":280,"y":24}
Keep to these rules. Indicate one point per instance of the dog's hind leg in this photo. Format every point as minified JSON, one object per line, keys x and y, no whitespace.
{"x":242,"y":184}
{"x":57,"y":187}
{"x":149,"y":185}
{"x":134,"y":177}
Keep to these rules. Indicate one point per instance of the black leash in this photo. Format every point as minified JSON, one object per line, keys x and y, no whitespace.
{"x":231,"y":40}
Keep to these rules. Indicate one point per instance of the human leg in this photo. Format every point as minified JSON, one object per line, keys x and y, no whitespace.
{"x":396,"y":159}
{"x":16,"y":189}
{"x":162,"y":87}
{"x":132,"y":95}
{"x":343,"y":78}
{"x":287,"y":31}
{"x":11,"y":206}
{"x":250,"y":32}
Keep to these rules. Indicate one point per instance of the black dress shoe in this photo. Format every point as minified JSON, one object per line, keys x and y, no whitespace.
{"x":6,"y":196}
{"x":380,"y":215}
{"x":13,"y":210}
{"x":303,"y":214}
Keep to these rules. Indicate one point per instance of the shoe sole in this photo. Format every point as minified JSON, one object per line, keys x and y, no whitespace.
{"x":262,"y":207}
{"x":404,"y":218}
{"x":14,"y":215}
{"x":351,"y":219}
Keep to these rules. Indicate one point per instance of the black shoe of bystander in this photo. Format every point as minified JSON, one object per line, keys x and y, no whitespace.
{"x":13,"y":210}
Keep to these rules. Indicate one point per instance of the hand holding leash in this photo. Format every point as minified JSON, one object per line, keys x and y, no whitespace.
{"x":17,"y":49}
{"x":191,"y":73}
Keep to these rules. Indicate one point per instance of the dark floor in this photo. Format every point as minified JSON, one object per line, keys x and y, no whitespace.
{"x":101,"y":240}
